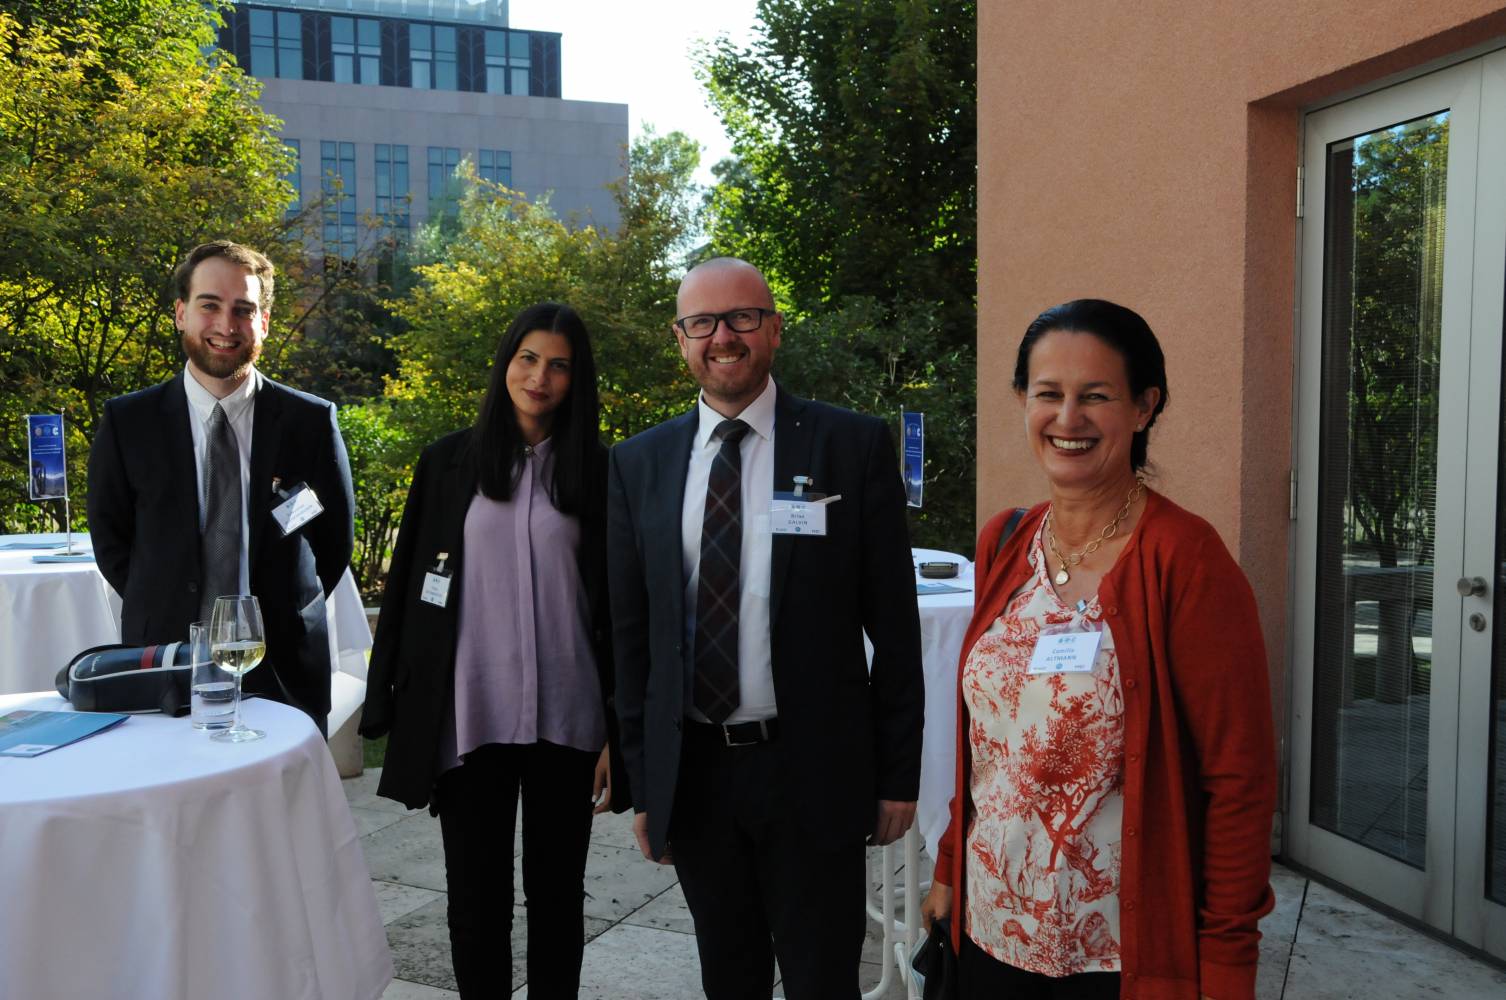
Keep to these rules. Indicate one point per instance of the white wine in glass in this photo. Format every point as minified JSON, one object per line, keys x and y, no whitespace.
{"x":237,"y":643}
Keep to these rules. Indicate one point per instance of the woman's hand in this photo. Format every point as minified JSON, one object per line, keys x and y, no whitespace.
{"x":937,"y":905}
{"x":601,"y":783}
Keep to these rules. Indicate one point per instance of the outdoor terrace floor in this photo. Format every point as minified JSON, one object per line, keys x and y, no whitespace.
{"x":1317,"y":945}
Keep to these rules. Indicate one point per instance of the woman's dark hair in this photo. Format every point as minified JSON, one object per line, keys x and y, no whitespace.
{"x":1122,"y":329}
{"x":497,"y":444}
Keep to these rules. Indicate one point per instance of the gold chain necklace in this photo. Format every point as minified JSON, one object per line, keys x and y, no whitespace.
{"x":1067,"y":562}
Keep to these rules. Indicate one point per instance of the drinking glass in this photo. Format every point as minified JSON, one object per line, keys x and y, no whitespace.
{"x":237,"y":642}
{"x":210,"y":688}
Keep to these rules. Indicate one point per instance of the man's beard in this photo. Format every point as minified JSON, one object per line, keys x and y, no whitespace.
{"x":216,"y":365}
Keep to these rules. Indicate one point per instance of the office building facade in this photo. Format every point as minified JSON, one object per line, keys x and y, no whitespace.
{"x":382,"y":99}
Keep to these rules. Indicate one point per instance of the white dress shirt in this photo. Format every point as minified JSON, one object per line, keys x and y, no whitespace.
{"x":755,"y":669}
{"x":239,"y":406}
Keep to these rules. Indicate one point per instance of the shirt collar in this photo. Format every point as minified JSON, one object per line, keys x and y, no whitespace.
{"x":758,"y":415}
{"x":235,"y":404}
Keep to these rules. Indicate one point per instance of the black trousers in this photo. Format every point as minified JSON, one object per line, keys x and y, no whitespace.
{"x":980,"y":976}
{"x":478,"y":804}
{"x":757,"y":886}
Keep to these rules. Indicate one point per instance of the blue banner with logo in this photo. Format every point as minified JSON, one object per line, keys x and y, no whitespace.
{"x":915,"y":455}
{"x":47,"y":476}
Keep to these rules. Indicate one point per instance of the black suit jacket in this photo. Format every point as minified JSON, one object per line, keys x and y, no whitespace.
{"x":412,"y":672}
{"x":144,"y":522}
{"x":848,"y":736}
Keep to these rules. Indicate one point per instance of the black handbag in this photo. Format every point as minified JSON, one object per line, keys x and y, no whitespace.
{"x":118,"y":678}
{"x":937,"y":964}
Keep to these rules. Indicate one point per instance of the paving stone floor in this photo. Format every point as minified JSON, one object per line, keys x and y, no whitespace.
{"x":1317,"y":944}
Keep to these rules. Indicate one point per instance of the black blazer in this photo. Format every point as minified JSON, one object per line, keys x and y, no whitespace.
{"x":144,"y":522}
{"x":412,"y":672}
{"x":848,"y":737}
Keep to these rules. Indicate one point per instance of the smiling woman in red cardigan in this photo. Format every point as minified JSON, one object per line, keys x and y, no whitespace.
{"x":1116,"y":772}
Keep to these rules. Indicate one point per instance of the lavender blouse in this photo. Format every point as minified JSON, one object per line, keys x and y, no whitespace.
{"x":524,"y":669}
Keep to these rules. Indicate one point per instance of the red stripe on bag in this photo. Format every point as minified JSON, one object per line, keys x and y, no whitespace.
{"x":147,"y":656}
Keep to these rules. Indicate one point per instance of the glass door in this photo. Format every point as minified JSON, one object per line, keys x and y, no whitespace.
{"x":1398,"y":469}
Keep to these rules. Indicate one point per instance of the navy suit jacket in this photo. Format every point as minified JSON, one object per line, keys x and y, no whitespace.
{"x":144,"y":522}
{"x":848,"y":736}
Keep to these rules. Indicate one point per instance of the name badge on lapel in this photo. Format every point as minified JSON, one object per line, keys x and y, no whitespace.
{"x":300,"y":505}
{"x":437,"y":583}
{"x":1065,"y":652}
{"x":799,"y":512}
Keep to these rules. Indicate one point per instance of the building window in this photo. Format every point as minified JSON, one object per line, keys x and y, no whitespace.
{"x":356,"y":46}
{"x":338,"y":166}
{"x":443,"y":192}
{"x":517,"y":62}
{"x":506,"y":62}
{"x":496,"y":166}
{"x":392,"y":184}
{"x":431,"y":56}
{"x":421,"y":55}
{"x":294,"y":177}
{"x":276,"y":44}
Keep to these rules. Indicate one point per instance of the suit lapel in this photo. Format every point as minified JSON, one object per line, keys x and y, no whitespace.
{"x":266,"y":437}
{"x":793,"y":437}
{"x":666,"y":504}
{"x":182,"y":469}
{"x":460,"y":489}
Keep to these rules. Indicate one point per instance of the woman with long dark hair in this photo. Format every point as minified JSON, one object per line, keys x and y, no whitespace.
{"x":491,"y":670}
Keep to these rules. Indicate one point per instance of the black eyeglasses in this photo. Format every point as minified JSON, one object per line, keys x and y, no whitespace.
{"x":699,"y":325}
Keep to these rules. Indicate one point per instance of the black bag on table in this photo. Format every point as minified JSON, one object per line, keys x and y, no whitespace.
{"x":118,"y":678}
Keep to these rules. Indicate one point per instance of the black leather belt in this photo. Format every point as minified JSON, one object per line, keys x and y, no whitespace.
{"x":739,"y":734}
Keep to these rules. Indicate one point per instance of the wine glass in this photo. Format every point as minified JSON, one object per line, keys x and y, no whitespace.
{"x":237,"y":642}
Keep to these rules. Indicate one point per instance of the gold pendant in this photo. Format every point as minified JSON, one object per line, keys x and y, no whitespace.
{"x":1061,"y":577}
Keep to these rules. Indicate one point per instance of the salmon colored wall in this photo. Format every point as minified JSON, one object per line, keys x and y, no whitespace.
{"x":1146,"y":152}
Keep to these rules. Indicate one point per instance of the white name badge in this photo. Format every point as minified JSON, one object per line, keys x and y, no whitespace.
{"x":791,"y":518}
{"x":1065,"y":653}
{"x":298,"y":510}
{"x":436,"y":590}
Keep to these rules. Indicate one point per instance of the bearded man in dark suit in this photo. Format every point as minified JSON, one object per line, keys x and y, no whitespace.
{"x":762,"y":751}
{"x":190,"y":483}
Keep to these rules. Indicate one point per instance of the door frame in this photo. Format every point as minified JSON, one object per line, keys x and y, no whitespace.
{"x":1428,"y":894}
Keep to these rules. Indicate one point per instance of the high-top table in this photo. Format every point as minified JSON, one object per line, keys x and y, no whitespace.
{"x":50,"y":612}
{"x":150,"y":861}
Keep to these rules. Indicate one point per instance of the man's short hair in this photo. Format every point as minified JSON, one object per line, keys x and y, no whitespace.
{"x":253,"y":261}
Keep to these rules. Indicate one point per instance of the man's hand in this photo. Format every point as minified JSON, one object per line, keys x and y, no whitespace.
{"x":937,"y":905}
{"x":894,"y":818}
{"x":601,"y":783}
{"x":640,"y":830}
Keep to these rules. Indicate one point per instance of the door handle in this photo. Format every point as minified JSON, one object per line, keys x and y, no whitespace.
{"x":1472,"y":586}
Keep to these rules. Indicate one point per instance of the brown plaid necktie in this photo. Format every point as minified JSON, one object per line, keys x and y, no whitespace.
{"x":717,"y":591}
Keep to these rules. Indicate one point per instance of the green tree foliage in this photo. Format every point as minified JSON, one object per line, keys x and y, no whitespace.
{"x":504,"y":253}
{"x":853,"y":123}
{"x":121,"y":144}
{"x":126,"y":139}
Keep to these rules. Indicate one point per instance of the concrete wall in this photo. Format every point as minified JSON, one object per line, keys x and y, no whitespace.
{"x":571,"y":148}
{"x":1146,"y":152}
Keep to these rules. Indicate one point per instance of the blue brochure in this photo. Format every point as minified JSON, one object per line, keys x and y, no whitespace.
{"x":47,"y":476}
{"x":26,"y":733}
{"x":914,"y":425}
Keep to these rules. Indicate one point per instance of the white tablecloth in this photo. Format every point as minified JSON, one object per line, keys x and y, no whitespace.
{"x":151,"y":862}
{"x":49,"y":612}
{"x":943,"y":625}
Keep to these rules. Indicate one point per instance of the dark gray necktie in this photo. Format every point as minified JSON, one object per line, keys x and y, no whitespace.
{"x":717,"y":588}
{"x":221,"y":549}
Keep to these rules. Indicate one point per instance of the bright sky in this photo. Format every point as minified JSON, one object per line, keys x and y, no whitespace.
{"x":638,"y":54}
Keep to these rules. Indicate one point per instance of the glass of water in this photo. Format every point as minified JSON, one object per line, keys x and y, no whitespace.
{"x":211,"y":690}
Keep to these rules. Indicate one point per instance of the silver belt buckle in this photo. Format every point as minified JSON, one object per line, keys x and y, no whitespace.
{"x":763,"y":732}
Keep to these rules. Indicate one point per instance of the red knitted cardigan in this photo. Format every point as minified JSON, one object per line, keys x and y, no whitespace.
{"x":1199,"y":752}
